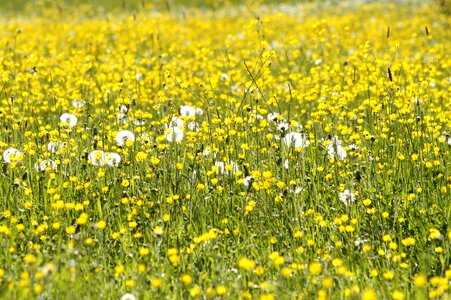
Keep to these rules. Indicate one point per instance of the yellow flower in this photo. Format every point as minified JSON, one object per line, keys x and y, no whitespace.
{"x":186,"y":279}
{"x":101,"y":225}
{"x":315,"y":268}
{"x":369,"y":294}
{"x":70,"y":229}
{"x":30,"y":259}
{"x":398,"y":295}
{"x":156,"y":282}
{"x":408,"y":241}
{"x":195,"y":291}
{"x":221,"y":290}
{"x":420,"y":280}
{"x":144,"y":251}
{"x":158,"y":230}
{"x":246,"y":264}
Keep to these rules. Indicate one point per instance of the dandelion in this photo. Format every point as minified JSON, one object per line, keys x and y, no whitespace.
{"x":296,"y":140}
{"x":45,"y":164}
{"x":224,"y":77}
{"x":52,"y":147}
{"x":335,"y":149}
{"x":199,"y":111}
{"x":272,"y":117}
{"x":175,"y":122}
{"x":112,"y":159}
{"x":128,"y":296}
{"x":123,"y":109}
{"x":248,"y":180}
{"x":174,"y":134}
{"x":97,"y":158}
{"x":68,"y":118}
{"x":11,"y":155}
{"x":193,"y":126}
{"x":187,"y":111}
{"x":123,"y":136}
{"x":139,"y":122}
{"x":283,"y":126}
{"x":122,"y":118}
{"x":77,"y":103}
{"x":347,"y":197}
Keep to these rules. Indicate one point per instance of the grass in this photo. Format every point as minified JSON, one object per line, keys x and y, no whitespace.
{"x":297,"y":151}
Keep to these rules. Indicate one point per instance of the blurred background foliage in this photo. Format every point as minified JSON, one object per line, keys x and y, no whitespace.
{"x":36,"y":6}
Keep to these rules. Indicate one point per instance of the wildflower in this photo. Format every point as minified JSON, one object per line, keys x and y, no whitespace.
{"x":128,"y":296}
{"x":420,"y":280}
{"x":187,"y":111}
{"x":69,"y":118}
{"x":97,"y":157}
{"x":283,"y":126}
{"x":139,"y":122}
{"x":398,"y":295}
{"x":113,"y":159}
{"x":224,"y":77}
{"x":193,"y":126}
{"x":158,"y":230}
{"x":195,"y":291}
{"x":175,"y":122}
{"x":52,"y":147}
{"x":123,"y":136}
{"x":77,"y":103}
{"x":408,"y":241}
{"x":199,"y":111}
{"x":45,"y":164}
{"x":272,"y":117}
{"x":101,"y":225}
{"x":296,"y":139}
{"x":123,"y":109}
{"x":315,"y":268}
{"x":174,"y":134}
{"x":246,"y":264}
{"x":156,"y":282}
{"x":186,"y":279}
{"x":335,"y":149}
{"x":11,"y":155}
{"x":347,"y":197}
{"x":144,"y":251}
{"x":221,"y":290}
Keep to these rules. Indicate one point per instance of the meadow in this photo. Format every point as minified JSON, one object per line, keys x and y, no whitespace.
{"x":160,"y":150}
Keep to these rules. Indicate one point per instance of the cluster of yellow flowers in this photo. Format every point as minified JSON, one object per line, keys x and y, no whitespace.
{"x":263,"y":152}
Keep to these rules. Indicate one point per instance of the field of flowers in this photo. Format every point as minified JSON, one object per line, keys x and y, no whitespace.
{"x":249,"y":152}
